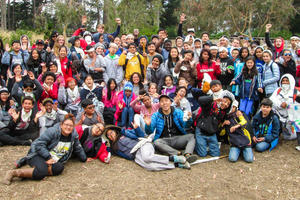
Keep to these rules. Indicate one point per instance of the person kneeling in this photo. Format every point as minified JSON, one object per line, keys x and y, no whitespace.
{"x":266,"y":127}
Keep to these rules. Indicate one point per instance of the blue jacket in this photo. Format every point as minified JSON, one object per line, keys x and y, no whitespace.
{"x":158,"y":123}
{"x":49,"y":140}
{"x":268,"y":128}
{"x":271,"y":75}
{"x":253,"y":95}
{"x":20,"y":58}
{"x":105,"y":35}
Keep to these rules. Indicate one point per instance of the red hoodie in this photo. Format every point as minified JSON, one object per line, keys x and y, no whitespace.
{"x":213,"y":70}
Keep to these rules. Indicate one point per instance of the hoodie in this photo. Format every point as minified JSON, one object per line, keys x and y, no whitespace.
{"x":277,"y":52}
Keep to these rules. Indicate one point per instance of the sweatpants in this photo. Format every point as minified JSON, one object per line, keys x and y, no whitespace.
{"x":146,"y":158}
{"x":172,"y":145}
{"x":17,"y":137}
{"x":41,"y":168}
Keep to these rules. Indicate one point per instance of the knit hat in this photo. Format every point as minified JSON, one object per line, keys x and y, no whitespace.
{"x":223,"y":49}
{"x":128,"y":86}
{"x":213,"y":47}
{"x":89,"y":49}
{"x":143,"y":36}
{"x":4,"y":90}
{"x":98,"y":44}
{"x":86,"y":33}
{"x":69,"y":79}
{"x":269,"y":52}
{"x":154,"y":36}
{"x":215,"y":82}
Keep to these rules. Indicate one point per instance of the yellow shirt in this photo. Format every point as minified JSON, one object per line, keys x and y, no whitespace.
{"x":133,"y":65}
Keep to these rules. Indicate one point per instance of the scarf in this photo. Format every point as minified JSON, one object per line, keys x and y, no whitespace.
{"x":51,"y":115}
{"x":29,"y":94}
{"x":73,"y":94}
{"x":25,"y":118}
{"x":130,"y":55}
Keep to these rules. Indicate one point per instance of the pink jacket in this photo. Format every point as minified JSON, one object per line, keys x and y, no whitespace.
{"x":121,"y":101}
{"x":142,"y":108}
{"x":112,"y":102}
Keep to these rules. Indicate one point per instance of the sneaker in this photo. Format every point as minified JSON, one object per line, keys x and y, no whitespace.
{"x":186,"y":165}
{"x":179,"y":159}
{"x":191,"y":158}
{"x":298,"y":148}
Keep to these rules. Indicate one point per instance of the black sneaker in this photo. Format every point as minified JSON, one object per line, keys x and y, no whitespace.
{"x":190,"y":158}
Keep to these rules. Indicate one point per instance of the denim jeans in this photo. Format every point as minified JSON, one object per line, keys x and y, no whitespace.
{"x":127,"y":117}
{"x":234,"y":154}
{"x":139,"y":120}
{"x":262,"y":146}
{"x":246,"y":106}
{"x":204,"y":141}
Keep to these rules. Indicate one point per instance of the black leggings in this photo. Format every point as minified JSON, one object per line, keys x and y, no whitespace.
{"x":41,"y":168}
{"x":298,"y":137}
{"x":14,"y":137}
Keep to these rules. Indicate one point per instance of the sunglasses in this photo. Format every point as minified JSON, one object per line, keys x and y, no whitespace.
{"x":287,"y":54}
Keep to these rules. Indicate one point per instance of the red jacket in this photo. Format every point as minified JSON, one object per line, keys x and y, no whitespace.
{"x":214,"y":71}
{"x":83,"y":43}
{"x":298,"y":74}
{"x":65,"y":69}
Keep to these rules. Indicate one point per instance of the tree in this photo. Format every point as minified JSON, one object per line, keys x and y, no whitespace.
{"x":67,"y":12}
{"x":3,"y":15}
{"x":238,"y":16}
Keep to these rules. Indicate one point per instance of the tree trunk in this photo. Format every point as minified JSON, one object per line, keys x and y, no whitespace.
{"x":105,"y":11}
{"x":34,"y":12}
{"x":3,"y":15}
{"x":8,"y":15}
{"x":13,"y":16}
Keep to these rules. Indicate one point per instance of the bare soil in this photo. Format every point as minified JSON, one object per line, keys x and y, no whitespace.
{"x":273,"y":175}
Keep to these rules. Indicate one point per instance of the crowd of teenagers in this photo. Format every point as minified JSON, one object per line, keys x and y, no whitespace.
{"x":157,"y":102}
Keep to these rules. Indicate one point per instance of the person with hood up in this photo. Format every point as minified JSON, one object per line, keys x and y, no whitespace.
{"x":286,"y":100}
{"x":277,"y":48}
{"x":25,"y":43}
{"x":197,"y":49}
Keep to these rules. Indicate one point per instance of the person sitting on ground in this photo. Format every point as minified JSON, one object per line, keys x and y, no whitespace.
{"x":152,"y":91}
{"x":50,"y":89}
{"x":125,"y":113}
{"x":146,"y":109}
{"x":168,"y":87}
{"x":88,"y":116}
{"x":49,"y":152}
{"x":180,"y":101}
{"x":110,"y":99}
{"x":94,"y":144}
{"x":266,"y":127}
{"x":51,"y":114}
{"x":284,"y":99}
{"x":6,"y":102}
{"x":170,"y":135}
{"x":142,"y":151}
{"x":69,"y":97}
{"x":23,"y":128}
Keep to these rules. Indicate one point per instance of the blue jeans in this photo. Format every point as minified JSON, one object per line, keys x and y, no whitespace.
{"x":246,"y":106}
{"x":262,"y":146}
{"x":127,"y":117}
{"x":204,"y":141}
{"x":234,"y":154}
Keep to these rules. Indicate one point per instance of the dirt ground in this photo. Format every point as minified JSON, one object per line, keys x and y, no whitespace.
{"x":273,"y":175}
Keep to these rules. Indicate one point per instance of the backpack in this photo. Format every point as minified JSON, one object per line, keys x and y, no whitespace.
{"x":294,"y":95}
{"x":11,"y":58}
{"x":142,"y":67}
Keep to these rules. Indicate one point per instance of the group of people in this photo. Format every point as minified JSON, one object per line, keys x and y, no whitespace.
{"x":145,"y":99}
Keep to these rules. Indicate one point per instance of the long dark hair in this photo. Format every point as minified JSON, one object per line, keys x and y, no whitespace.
{"x":141,"y":86}
{"x":31,"y":61}
{"x":170,"y":62}
{"x":201,"y":61}
{"x":253,"y":71}
{"x":108,"y":87}
{"x":240,"y":54}
{"x":1,"y":46}
{"x":5,"y":105}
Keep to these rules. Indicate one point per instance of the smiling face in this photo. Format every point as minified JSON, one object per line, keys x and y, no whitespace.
{"x":165,"y":104}
{"x":265,"y":110}
{"x":24,"y":40}
{"x":135,"y":79}
{"x":223,"y":54}
{"x":155,"y":63}
{"x":181,"y":92}
{"x":225,"y":103}
{"x":266,"y":57}
{"x":205,"y":56}
{"x":250,"y":64}
{"x":168,"y":46}
{"x":245,"y":53}
{"x":53,"y":68}
{"x":27,"y":105}
{"x":67,"y":127}
{"x":17,"y":70}
{"x":235,"y":54}
{"x":259,"y":53}
{"x":147,"y":101}
{"x":132,"y":49}
{"x":90,"y":109}
{"x":71,"y":84}
{"x":151,"y":48}
{"x":4,"y":96}
{"x":174,"y":53}
{"x":152,"y":89}
{"x":112,"y":135}
{"x":168,"y":81}
{"x":62,"y":52}
{"x":97,"y":129}
{"x":278,"y":42}
{"x":49,"y":80}
{"x":48,"y":107}
{"x":89,"y":82}
{"x":179,"y":42}
{"x":287,"y":55}
{"x":35,"y":54}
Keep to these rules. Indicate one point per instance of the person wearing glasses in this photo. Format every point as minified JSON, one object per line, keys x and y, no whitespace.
{"x":49,"y":152}
{"x":89,"y":116}
{"x":286,"y":63}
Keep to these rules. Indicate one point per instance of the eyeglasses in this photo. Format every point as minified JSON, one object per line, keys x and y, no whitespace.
{"x":287,"y":54}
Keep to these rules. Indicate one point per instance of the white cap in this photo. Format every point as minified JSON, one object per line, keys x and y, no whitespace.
{"x":191,"y":30}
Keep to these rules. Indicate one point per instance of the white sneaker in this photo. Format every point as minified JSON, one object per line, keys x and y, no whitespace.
{"x":298,"y":148}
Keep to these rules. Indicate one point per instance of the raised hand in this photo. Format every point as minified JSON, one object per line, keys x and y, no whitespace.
{"x":31,"y":75}
{"x":118,"y":21}
{"x":12,"y":112}
{"x":182,"y":18}
{"x":7,"y":48}
{"x":268,"y":27}
{"x":83,"y":19}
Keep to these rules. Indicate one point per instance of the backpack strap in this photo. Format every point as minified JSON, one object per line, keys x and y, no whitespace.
{"x":126,"y":62}
{"x":141,"y":66}
{"x":278,"y":91}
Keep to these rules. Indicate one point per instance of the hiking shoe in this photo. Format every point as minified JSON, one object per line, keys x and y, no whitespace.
{"x":20,"y":163}
{"x":186,"y":165}
{"x":191,"y":158}
{"x":179,"y":159}
{"x":298,"y":148}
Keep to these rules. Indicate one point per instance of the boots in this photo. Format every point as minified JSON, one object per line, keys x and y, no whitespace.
{"x":21,"y":173}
